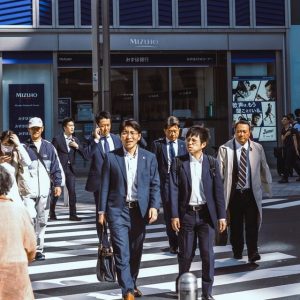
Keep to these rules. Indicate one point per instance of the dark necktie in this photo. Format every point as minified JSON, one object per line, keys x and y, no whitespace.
{"x":242,"y":168}
{"x":171,"y":151}
{"x":106,"y":145}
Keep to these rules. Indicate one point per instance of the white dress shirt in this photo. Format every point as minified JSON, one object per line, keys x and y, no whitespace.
{"x":197,"y":195}
{"x":109,"y":140}
{"x":68,"y":140}
{"x":238,"y":154}
{"x":131,"y":171}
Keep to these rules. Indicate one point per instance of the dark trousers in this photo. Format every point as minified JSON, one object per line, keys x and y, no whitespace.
{"x":291,"y":161}
{"x":102,"y":236}
{"x":172,"y":236}
{"x":243,"y":211}
{"x":70,"y":184}
{"x":127,"y":234}
{"x":195,"y":226}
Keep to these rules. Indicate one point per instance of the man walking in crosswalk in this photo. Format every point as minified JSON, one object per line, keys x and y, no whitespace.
{"x":245,"y":172}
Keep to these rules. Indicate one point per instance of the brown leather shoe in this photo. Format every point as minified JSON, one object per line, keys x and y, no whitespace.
{"x":137,"y":293}
{"x":128,"y":296}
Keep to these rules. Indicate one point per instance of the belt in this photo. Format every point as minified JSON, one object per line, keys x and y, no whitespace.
{"x":242,"y":191}
{"x":196,"y":207}
{"x":132,"y":204}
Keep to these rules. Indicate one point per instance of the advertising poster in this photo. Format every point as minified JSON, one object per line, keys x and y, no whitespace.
{"x":254,"y":99}
{"x":25,"y":101}
{"x":64,"y":108}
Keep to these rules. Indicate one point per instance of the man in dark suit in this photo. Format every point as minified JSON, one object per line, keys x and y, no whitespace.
{"x":165,"y":150}
{"x":129,"y":199}
{"x":197,"y":206}
{"x":67,"y":145}
{"x":101,"y":142}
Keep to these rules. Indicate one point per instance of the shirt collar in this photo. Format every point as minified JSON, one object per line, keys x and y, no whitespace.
{"x":103,"y":136}
{"x":127,"y":154}
{"x":168,"y":141}
{"x":193,"y":159}
{"x":239,"y":146}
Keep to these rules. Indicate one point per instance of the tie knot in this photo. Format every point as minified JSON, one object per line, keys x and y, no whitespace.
{"x":103,"y":138}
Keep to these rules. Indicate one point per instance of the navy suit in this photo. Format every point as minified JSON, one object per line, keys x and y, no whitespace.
{"x":159,"y":148}
{"x":67,"y":160}
{"x":95,"y":152}
{"x":195,"y":224}
{"x":128,"y":225}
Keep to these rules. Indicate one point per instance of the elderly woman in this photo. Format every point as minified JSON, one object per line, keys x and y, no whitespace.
{"x":17,"y":245}
{"x":14,"y":158}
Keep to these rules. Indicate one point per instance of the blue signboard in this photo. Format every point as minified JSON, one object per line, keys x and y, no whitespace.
{"x":25,"y":101}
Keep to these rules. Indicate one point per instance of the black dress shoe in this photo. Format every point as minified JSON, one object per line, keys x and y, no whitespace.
{"x":207,"y":297}
{"x":52,"y":217}
{"x":254,"y":257}
{"x":237,"y":256}
{"x":173,"y":250}
{"x":39,"y":256}
{"x":137,"y":293}
{"x":74,"y":218}
{"x":283,"y":180}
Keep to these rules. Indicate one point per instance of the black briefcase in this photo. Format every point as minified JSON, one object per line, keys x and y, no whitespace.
{"x":105,"y":269}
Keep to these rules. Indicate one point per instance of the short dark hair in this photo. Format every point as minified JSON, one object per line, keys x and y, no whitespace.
{"x":5,"y":181}
{"x":171,"y":121}
{"x":291,"y":116}
{"x":6,"y":134}
{"x":132,"y":123}
{"x":297,"y":112}
{"x":197,"y":130}
{"x":66,"y":120}
{"x":102,"y":115}
{"x":243,"y":122}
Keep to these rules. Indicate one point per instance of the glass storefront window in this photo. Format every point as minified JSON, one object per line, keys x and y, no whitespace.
{"x":192,"y":92}
{"x":76,"y":84}
{"x":153,"y":94}
{"x":121,"y":94}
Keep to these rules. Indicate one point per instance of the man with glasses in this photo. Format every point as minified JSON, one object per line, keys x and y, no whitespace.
{"x":165,"y":150}
{"x":197,"y":206}
{"x":129,"y":199}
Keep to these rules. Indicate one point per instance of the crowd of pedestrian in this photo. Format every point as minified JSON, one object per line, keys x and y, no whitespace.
{"x":199,"y":194}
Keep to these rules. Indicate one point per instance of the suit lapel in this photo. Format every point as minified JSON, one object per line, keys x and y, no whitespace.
{"x":164,"y":150}
{"x":205,"y":174}
{"x":187,"y":170}
{"x":140,"y":167}
{"x":181,"y":148}
{"x":119,"y":154}
{"x":63,"y":142}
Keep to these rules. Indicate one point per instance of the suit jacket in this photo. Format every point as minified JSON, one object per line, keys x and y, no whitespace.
{"x":65,"y":156}
{"x":181,"y":189}
{"x":159,"y":148}
{"x":114,"y":183}
{"x":261,"y":178}
{"x":95,"y":152}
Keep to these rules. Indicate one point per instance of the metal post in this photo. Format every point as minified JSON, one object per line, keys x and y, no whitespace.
{"x":95,"y":54}
{"x":105,"y":56}
{"x":187,"y":287}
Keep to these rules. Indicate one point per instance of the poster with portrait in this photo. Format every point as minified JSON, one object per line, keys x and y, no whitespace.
{"x":254,"y":100}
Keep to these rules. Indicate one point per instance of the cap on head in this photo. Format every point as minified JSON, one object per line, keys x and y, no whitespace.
{"x":35,"y":122}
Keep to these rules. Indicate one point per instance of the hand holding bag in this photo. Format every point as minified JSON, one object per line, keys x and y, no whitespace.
{"x":105,"y":268}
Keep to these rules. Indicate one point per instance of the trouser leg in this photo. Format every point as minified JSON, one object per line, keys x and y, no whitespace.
{"x":70,"y":184}
{"x":236,"y":224}
{"x":41,"y":222}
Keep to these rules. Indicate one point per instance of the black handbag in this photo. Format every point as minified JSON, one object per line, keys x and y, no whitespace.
{"x":105,"y":269}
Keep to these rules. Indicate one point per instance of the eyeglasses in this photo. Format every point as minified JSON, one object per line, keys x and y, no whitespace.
{"x":127,"y":133}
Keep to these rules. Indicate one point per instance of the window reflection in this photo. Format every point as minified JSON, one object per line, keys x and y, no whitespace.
{"x":153,"y":94}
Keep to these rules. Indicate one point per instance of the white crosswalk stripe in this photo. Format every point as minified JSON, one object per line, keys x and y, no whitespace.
{"x":71,"y":252}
